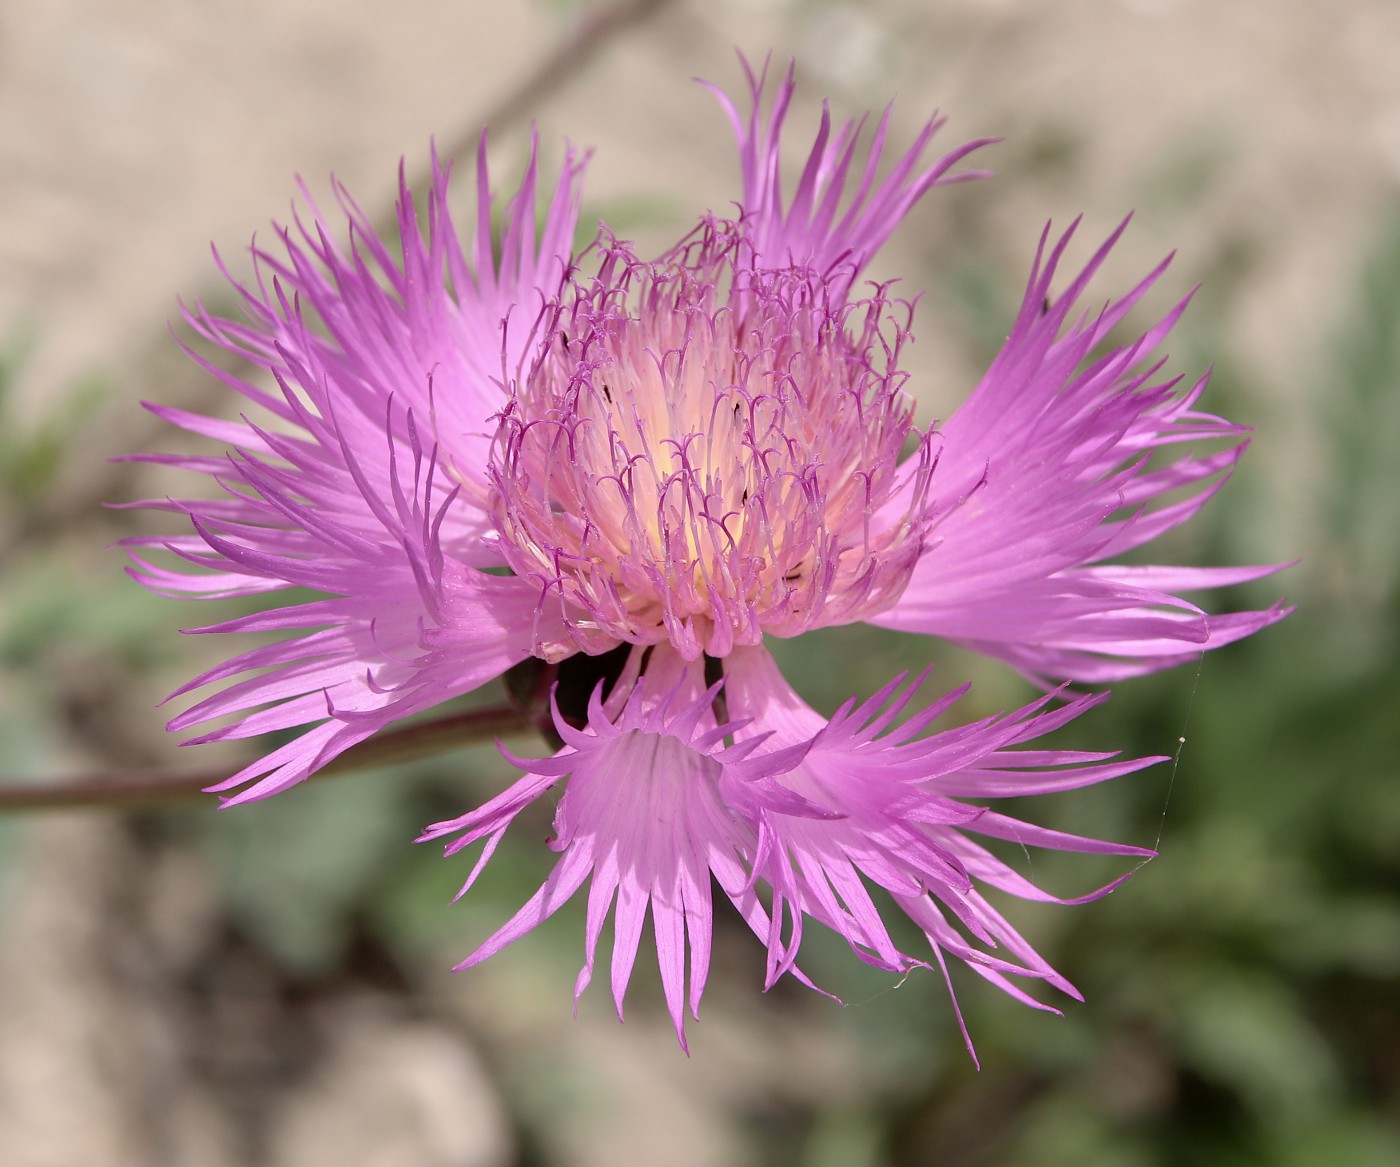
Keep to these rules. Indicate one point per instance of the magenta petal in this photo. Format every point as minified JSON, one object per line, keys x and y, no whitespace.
{"x":895,"y":824}
{"x":349,"y":492}
{"x":1042,"y":473}
{"x":806,"y":232}
{"x":642,"y":812}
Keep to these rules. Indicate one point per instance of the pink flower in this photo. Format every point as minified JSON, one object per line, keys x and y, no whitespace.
{"x":633,"y":472}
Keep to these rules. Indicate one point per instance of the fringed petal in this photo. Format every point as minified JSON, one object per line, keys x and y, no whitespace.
{"x":821,"y":228}
{"x":1045,"y":472}
{"x":645,"y":811}
{"x":896,"y":820}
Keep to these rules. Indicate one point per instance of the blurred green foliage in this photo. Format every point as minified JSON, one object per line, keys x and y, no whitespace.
{"x":32,"y":450}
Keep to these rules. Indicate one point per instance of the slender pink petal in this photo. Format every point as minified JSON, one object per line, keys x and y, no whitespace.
{"x":806,"y":232}
{"x":1043,"y":474}
{"x":896,"y":820}
{"x":348,"y":491}
{"x":647,"y":812}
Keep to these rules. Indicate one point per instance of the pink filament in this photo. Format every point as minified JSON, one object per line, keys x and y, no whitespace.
{"x":700,"y":449}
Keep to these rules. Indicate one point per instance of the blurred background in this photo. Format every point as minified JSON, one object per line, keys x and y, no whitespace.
{"x":181,"y":987}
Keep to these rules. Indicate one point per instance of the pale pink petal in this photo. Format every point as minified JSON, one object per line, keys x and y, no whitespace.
{"x":646,"y":812}
{"x":897,"y":821}
{"x":806,"y":230}
{"x":1042,"y":474}
{"x":361,"y":475}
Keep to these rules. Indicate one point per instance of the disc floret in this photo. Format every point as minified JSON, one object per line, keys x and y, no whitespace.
{"x":702,"y":451}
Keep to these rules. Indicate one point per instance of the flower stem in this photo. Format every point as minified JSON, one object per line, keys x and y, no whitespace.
{"x":138,"y":789}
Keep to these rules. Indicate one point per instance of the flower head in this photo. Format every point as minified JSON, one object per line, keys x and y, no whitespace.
{"x":633,"y":472}
{"x":698,"y":455}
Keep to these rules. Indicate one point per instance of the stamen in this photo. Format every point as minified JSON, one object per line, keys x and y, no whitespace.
{"x":713,"y":464}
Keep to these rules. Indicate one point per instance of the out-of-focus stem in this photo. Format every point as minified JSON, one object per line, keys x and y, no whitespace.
{"x":122,"y":791}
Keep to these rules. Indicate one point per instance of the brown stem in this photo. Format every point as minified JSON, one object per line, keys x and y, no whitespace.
{"x":398,"y":745}
{"x":565,"y":61}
